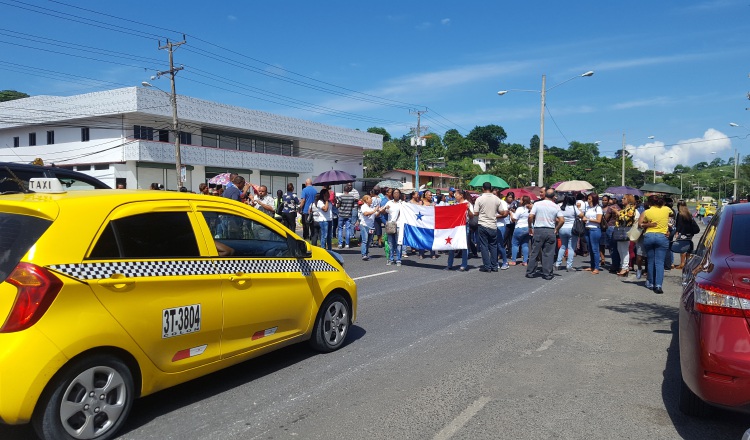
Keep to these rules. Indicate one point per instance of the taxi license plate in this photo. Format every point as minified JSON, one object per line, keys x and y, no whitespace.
{"x":181,"y":320}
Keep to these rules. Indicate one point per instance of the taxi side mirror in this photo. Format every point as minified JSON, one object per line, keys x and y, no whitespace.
{"x":298,"y":248}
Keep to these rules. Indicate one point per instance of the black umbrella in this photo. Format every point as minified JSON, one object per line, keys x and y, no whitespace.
{"x":660,"y":188}
{"x":333,"y":177}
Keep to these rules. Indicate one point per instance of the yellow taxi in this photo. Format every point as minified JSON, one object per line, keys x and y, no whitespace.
{"x":710,"y":208}
{"x":110,"y":295}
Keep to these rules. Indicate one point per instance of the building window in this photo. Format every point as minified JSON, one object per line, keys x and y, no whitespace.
{"x":163,"y":135}
{"x":246,"y":144}
{"x":228,"y":142}
{"x":16,"y":142}
{"x":186,"y":138}
{"x":101,"y":166}
{"x":84,"y":134}
{"x":143,"y":132}
{"x":32,"y":139}
{"x":50,"y":137}
{"x":209,"y":140}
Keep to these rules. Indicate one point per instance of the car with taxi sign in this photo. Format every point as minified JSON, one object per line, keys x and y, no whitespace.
{"x":109,"y":295}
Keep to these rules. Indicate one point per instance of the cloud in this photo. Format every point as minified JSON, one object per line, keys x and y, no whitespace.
{"x":684,"y":152}
{"x":659,"y":100}
{"x":231,"y":18}
{"x":445,"y":21}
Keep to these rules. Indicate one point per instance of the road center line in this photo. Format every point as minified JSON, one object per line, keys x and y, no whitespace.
{"x":461,"y":419}
{"x":374,"y":275}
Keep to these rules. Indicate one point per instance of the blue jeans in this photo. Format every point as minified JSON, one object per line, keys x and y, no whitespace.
{"x":656,"y":246}
{"x":594,"y":236}
{"x":329,"y":236}
{"x":345,"y":224}
{"x":325,"y":238}
{"x":501,"y":244}
{"x":365,"y":238}
{"x":488,"y":247}
{"x":520,"y":239}
{"x":395,"y":247}
{"x":568,"y":242}
{"x":464,"y":254}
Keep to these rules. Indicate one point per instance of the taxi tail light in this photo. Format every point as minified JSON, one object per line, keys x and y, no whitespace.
{"x":37,"y":288}
{"x":723,"y":301}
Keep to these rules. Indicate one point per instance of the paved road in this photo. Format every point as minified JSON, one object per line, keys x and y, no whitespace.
{"x":438,"y":355}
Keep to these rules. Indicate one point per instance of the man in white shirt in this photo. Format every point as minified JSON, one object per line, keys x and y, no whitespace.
{"x":543,"y":219}
{"x":264,"y":201}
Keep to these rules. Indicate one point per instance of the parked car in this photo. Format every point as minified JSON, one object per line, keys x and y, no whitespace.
{"x":110,"y":295}
{"x":14,"y":177}
{"x":714,"y":316}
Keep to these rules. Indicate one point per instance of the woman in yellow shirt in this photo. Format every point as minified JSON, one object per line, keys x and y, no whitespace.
{"x":655,"y":222}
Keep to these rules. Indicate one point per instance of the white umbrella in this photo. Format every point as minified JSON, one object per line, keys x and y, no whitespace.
{"x":574,"y":185}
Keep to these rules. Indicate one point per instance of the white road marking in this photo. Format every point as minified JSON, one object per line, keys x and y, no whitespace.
{"x":545,"y":345}
{"x":374,"y":275}
{"x":461,"y":419}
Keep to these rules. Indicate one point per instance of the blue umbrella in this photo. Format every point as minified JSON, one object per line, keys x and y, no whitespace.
{"x":333,"y":177}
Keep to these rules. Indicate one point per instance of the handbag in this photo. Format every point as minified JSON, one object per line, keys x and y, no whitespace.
{"x":694,"y":228}
{"x":620,"y":233}
{"x":579,"y":229}
{"x":635,"y":232}
{"x":474,"y":223}
{"x":390,"y":227}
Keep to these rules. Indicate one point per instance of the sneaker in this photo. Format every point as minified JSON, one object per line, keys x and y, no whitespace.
{"x":388,"y":263}
{"x":504,"y":266}
{"x":462,"y":269}
{"x":365,"y":257}
{"x":649,"y":286}
{"x":658,"y":289}
{"x":638,"y":274}
{"x":346,"y":247}
{"x":569,"y":269}
{"x":341,"y":247}
{"x":398,"y":263}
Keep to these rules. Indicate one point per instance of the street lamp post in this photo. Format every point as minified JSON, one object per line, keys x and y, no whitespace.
{"x":543,"y":92}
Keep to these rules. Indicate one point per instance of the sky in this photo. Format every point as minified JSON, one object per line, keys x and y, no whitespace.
{"x":669,"y":76}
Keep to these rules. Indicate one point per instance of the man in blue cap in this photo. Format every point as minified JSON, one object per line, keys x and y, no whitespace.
{"x":450,"y":199}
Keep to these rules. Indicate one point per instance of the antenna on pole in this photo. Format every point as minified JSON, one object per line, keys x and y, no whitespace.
{"x":417,"y":141}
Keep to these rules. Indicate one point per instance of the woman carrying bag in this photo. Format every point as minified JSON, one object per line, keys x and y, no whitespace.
{"x":393,"y":227}
{"x":627,"y":217}
{"x":686,"y":227}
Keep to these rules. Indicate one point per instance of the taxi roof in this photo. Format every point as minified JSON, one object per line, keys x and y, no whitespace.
{"x":49,"y":204}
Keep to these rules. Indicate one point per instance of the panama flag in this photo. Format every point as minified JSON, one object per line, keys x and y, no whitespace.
{"x":439,"y":228}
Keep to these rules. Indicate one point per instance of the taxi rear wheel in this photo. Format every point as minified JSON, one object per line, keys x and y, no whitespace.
{"x":331,"y":324}
{"x":90,"y":399}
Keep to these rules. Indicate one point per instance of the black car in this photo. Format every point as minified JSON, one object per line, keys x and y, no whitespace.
{"x":14,"y":177}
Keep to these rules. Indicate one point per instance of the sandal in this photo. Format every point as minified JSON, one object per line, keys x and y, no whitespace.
{"x":512,"y":263}
{"x":588,"y":269}
{"x":594,"y":271}
{"x":623,"y":273}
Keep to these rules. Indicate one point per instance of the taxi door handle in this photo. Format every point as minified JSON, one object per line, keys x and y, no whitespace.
{"x":240,"y":277}
{"x":117,"y":282}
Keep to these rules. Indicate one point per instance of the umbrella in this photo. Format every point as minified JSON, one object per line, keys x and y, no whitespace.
{"x":333,"y":177}
{"x":520,"y":192}
{"x":495,"y":181}
{"x":622,"y":190}
{"x":660,"y":188}
{"x":574,"y":185}
{"x":555,"y":185}
{"x":219,"y":179}
{"x":390,"y":184}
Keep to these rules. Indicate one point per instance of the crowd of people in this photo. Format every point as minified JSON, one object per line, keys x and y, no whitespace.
{"x":502,"y":230}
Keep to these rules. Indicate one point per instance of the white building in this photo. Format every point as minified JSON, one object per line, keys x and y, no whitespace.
{"x":124,"y":136}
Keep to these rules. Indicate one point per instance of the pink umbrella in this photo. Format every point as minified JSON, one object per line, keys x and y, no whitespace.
{"x":219,"y":179}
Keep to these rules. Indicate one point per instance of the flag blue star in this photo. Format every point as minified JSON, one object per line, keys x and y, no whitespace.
{"x":419,"y":216}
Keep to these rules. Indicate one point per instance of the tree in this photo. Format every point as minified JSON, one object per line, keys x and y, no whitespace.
{"x":9,"y":95}
{"x":716,"y":163}
{"x":700,"y":166}
{"x":380,"y":130}
{"x":492,"y":135}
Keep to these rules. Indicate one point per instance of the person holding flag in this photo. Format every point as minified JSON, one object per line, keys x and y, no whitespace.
{"x":460,"y":200}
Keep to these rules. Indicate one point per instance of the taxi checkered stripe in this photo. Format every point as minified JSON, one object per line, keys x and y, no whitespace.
{"x":136,"y":269}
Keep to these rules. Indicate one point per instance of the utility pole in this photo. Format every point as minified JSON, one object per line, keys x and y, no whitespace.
{"x":623,"y":159}
{"x":417,"y":141}
{"x":736,"y":176}
{"x":170,"y":46}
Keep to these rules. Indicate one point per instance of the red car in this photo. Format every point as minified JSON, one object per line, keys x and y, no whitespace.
{"x":715,"y":316}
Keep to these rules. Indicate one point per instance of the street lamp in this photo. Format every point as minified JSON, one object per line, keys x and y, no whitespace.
{"x":543,"y":92}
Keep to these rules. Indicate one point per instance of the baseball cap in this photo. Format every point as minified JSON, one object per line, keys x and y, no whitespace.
{"x":451,"y":189}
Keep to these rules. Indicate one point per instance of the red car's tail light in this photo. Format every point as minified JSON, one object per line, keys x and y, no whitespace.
{"x":719,"y":301}
{"x":37,"y":288}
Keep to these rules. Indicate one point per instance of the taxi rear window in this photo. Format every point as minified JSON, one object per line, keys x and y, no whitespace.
{"x":17,"y":234}
{"x":149,"y":235}
{"x":738,"y":242}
